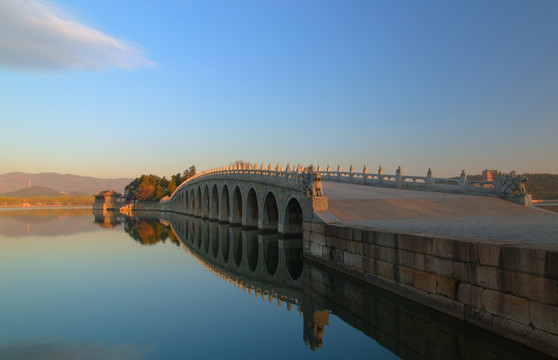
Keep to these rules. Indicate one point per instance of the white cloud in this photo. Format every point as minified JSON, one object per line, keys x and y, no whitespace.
{"x":35,"y":35}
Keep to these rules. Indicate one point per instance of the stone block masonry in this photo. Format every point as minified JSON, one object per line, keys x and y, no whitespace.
{"x":508,"y":288}
{"x":408,"y":329}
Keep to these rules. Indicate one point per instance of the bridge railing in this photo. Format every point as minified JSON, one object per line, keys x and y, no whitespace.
{"x":460,"y":184}
{"x":398,"y":180}
{"x":294,"y":178}
{"x":287,"y":177}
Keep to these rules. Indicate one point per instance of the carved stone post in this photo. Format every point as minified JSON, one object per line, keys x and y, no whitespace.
{"x":429,"y":180}
{"x":339,"y":173}
{"x":398,"y":179}
{"x":463,"y":182}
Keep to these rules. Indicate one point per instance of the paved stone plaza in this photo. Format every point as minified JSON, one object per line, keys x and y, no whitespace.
{"x":438,"y":214}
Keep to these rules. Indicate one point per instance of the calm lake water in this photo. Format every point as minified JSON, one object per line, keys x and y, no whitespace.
{"x":74,"y":285}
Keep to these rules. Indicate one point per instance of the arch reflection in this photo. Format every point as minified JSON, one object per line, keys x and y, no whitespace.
{"x":245,"y":252}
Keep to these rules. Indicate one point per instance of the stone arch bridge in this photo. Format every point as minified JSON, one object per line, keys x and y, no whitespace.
{"x":255,"y":198}
{"x":280,"y":200}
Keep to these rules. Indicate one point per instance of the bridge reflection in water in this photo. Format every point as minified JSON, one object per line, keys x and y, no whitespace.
{"x":271,"y":267}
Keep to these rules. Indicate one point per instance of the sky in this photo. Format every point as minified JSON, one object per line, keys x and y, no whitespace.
{"x":128,"y":87}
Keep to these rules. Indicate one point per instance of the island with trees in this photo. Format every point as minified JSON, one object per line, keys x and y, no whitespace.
{"x":154,"y":188}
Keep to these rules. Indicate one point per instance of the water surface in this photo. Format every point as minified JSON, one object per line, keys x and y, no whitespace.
{"x":129,"y":289}
{"x":77,"y":285}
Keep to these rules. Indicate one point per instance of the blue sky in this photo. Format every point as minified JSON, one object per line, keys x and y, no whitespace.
{"x":120,"y":88}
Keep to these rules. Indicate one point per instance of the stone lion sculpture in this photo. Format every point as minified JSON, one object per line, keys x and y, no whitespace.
{"x":512,"y":184}
{"x":312,"y":182}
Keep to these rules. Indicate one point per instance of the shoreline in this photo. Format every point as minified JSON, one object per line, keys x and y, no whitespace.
{"x":44,"y":206}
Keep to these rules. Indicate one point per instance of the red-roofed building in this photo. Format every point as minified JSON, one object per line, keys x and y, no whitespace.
{"x":108,"y":200}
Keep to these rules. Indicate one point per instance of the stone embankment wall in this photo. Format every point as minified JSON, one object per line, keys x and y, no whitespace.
{"x":408,"y":329}
{"x":510,"y":289}
{"x":148,"y":206}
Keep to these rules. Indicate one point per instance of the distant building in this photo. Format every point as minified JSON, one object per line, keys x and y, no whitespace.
{"x":489,"y":175}
{"x":108,"y":200}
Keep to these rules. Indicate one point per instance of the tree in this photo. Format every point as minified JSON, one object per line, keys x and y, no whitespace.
{"x":188,"y":173}
{"x":172,"y":186}
{"x":152,"y":187}
{"x":159,"y":192}
{"x":145,"y":191}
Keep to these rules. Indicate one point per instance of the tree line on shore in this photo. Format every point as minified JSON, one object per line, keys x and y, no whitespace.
{"x":542,"y":186}
{"x":153,"y":188}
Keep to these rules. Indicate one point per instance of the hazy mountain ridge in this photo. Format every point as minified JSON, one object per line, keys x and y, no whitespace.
{"x":66,"y":183}
{"x":38,"y":191}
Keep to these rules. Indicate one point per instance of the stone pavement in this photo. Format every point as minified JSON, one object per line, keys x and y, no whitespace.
{"x":438,"y":214}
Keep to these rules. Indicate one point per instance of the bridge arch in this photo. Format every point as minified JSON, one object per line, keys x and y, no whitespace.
{"x":205,"y":203}
{"x":214,"y":208}
{"x":252,"y":209}
{"x":270,"y":218}
{"x":292,"y":216}
{"x":192,"y":205}
{"x":225,"y":207}
{"x":199,"y":202}
{"x":236,"y":214}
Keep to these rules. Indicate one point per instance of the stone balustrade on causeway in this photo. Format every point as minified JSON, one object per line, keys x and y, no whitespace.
{"x":295,"y":177}
{"x":460,"y":184}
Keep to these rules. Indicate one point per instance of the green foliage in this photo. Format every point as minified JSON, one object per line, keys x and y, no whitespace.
{"x":152,"y":187}
{"x":188,"y":173}
{"x":542,"y":186}
{"x":159,"y":192}
{"x":171,"y":187}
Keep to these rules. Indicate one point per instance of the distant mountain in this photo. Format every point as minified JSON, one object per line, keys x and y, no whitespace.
{"x":38,"y":191}
{"x":61,"y":182}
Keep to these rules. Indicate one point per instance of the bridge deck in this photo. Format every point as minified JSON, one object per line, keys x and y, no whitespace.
{"x":438,"y":214}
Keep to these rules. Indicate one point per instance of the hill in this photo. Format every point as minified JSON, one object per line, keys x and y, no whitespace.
{"x":65,"y":183}
{"x":38,"y":191}
{"x":542,"y":186}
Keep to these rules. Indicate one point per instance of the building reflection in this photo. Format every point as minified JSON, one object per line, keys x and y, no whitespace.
{"x":273,"y":269}
{"x":108,"y":219}
{"x":315,"y":321}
